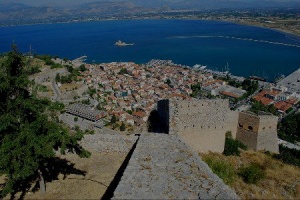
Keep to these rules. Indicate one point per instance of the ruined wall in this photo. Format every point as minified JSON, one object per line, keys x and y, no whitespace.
{"x":202,"y":123}
{"x":258,"y":132}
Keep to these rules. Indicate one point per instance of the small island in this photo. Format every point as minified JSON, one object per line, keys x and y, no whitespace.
{"x":122,"y":44}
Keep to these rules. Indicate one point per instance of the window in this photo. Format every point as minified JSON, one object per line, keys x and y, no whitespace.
{"x":250,"y":128}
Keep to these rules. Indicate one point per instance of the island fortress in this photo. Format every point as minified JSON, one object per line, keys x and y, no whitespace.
{"x":202,"y":124}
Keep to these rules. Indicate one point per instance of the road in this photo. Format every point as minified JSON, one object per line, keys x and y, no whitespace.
{"x":56,"y":90}
{"x":288,"y":144}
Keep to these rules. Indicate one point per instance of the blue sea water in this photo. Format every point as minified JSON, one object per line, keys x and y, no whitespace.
{"x":246,"y":49}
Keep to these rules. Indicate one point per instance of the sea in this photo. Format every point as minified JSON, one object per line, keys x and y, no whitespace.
{"x":247,"y":50}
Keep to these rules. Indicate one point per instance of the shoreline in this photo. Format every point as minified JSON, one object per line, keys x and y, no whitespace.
{"x":283,"y":31}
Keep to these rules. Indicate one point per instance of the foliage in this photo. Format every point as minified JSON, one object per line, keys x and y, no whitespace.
{"x":232,"y":146}
{"x":82,"y":68}
{"x":252,"y":174}
{"x":168,"y":82}
{"x":234,"y":83}
{"x":222,"y":168}
{"x":70,"y":68}
{"x":258,"y":106}
{"x":48,"y":61}
{"x":91,"y":91}
{"x":129,"y":112}
{"x":75,"y":119}
{"x":196,"y":90}
{"x":68,"y":78}
{"x":289,"y":156}
{"x":42,"y":88}
{"x":33,"y":70}
{"x":28,"y":132}
{"x":113,"y":119}
{"x":289,"y":128}
{"x":250,"y":86}
{"x":86,"y":102}
{"x":123,"y":71}
{"x":122,"y":127}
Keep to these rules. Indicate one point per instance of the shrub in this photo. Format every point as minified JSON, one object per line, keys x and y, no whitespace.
{"x":252,"y":174}
{"x":223,"y":169}
{"x":232,"y":146}
{"x":122,"y":127}
{"x":289,"y":156}
{"x":75,"y":119}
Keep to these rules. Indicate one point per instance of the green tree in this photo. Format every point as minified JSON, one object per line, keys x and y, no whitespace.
{"x":122,"y":127}
{"x":82,"y":68}
{"x":123,"y":71}
{"x":57,"y":78}
{"x":113,"y":119}
{"x":29,"y":136}
{"x":196,"y":88}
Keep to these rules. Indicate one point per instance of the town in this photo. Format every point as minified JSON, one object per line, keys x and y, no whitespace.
{"x":128,"y":92}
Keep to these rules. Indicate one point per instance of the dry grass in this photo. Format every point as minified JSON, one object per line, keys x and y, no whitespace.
{"x":100,"y":170}
{"x":69,"y":87}
{"x":282,"y":181}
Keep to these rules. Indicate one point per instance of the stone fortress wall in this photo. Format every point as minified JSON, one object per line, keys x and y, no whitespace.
{"x":258,"y":132}
{"x":203,"y":123}
{"x":200,"y":123}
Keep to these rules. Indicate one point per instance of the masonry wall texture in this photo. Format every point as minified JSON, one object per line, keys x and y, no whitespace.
{"x":202,"y":124}
{"x":258,"y":132}
{"x":164,"y":167}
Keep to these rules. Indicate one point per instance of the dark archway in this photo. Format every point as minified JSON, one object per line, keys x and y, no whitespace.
{"x":154,"y":122}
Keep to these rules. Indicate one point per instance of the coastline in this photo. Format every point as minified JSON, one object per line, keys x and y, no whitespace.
{"x":283,"y":31}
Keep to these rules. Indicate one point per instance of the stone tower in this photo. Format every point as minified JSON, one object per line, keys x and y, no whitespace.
{"x":258,"y":131}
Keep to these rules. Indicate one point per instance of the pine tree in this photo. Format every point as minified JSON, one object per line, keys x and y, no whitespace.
{"x":29,"y":134}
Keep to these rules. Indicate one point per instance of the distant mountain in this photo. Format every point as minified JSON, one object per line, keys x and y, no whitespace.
{"x":6,"y":7}
{"x":36,"y":11}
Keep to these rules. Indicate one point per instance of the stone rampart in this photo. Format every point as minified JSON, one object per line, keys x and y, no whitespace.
{"x":163,"y":167}
{"x":258,"y":132}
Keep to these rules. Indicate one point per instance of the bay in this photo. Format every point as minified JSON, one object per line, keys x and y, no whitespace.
{"x":248,"y":50}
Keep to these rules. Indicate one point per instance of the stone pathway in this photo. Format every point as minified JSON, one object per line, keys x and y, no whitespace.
{"x":163,"y":167}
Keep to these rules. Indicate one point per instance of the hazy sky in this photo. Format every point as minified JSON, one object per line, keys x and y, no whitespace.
{"x":76,"y":2}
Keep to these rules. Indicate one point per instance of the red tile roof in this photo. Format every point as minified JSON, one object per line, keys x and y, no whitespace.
{"x":283,"y":106}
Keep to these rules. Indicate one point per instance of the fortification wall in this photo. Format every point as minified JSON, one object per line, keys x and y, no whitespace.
{"x":258,"y":132}
{"x":249,"y":138}
{"x":267,"y":137}
{"x":163,"y":167}
{"x":202,"y":123}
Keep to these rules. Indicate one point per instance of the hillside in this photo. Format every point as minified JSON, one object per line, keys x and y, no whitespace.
{"x":29,"y":12}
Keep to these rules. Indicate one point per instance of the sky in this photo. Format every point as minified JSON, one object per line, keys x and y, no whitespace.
{"x":76,"y":2}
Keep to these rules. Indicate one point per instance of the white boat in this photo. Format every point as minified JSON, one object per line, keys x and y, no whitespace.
{"x":120,"y":43}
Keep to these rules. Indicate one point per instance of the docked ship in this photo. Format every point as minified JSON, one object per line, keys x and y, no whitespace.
{"x":122,"y":44}
{"x":257,"y":78}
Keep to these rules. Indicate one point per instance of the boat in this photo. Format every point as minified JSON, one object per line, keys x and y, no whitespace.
{"x":201,"y":67}
{"x":257,"y":78}
{"x":122,"y":44}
